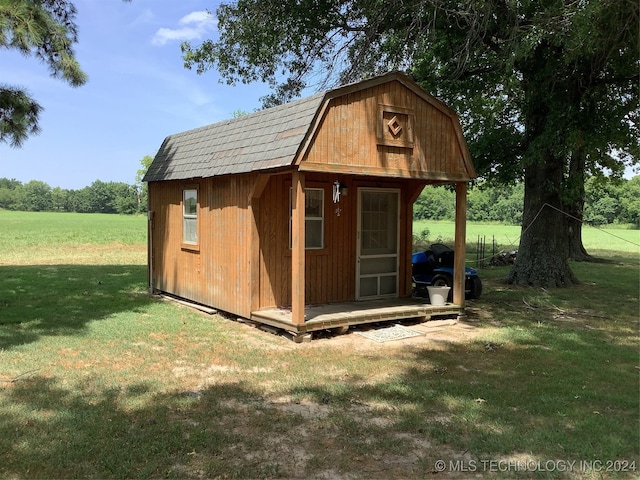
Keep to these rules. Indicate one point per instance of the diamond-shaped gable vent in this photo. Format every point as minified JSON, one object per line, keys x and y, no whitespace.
{"x":394,"y":126}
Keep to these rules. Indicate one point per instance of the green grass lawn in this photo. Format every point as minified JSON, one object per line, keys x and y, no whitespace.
{"x":99,"y":379}
{"x":598,"y":241}
{"x":46,"y":237}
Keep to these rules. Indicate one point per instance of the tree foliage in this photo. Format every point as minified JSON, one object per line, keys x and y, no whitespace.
{"x":99,"y":197}
{"x":46,"y":30}
{"x":538,"y":85}
{"x":609,"y":201}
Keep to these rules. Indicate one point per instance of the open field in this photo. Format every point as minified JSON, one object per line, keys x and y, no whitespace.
{"x":41,"y":238}
{"x":598,"y":241}
{"x":99,"y":379}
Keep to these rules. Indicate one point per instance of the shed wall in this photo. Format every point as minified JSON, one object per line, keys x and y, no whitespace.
{"x":217,"y":273}
{"x":348,"y":138}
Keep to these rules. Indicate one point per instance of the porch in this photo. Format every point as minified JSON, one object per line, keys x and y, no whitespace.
{"x":341,"y":315}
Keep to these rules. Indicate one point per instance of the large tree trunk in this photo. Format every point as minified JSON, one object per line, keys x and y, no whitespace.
{"x":577,"y":252}
{"x":544,"y":244}
{"x":575,"y":207}
{"x":543,"y":254}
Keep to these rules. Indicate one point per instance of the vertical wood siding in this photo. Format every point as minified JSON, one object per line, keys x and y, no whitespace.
{"x":346,"y":140}
{"x":330,"y":272}
{"x":218,"y":274}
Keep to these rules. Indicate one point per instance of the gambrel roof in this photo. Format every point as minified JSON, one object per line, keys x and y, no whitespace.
{"x":262,"y":140}
{"x":268,"y":139}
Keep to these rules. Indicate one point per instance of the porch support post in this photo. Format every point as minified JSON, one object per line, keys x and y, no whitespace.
{"x":297,"y":249}
{"x":460,"y":244}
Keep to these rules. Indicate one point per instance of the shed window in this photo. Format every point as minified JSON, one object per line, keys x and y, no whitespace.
{"x":190,"y":216}
{"x":313,"y":217}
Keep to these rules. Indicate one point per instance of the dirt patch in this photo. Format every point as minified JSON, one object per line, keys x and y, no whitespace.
{"x":306,"y":432}
{"x":81,"y":254}
{"x":435,"y":334}
{"x":317,"y":443}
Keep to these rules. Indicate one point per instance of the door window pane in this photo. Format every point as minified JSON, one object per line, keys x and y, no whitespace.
{"x":378,"y":265}
{"x":368,"y":286}
{"x":388,"y":284}
{"x":379,"y":233}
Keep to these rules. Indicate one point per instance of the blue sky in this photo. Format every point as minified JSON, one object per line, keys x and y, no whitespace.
{"x":138,"y":93}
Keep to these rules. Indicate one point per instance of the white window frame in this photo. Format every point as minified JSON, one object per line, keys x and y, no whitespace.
{"x":189,"y":217}
{"x":308,"y":218}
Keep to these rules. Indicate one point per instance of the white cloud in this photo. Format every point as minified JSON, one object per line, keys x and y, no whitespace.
{"x":192,"y":26}
{"x":146,"y":16}
{"x":196,"y":17}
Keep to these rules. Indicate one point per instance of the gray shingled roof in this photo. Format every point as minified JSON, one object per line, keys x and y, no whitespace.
{"x":263,"y":140}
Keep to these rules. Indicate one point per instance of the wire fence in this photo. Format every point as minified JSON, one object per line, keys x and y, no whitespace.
{"x":507,"y":255}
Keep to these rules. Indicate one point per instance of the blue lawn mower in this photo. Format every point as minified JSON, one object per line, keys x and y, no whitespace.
{"x":434,"y":267}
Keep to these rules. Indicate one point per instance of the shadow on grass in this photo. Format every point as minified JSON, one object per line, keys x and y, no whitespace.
{"x":43,"y":300}
{"x":548,"y":395}
{"x":544,"y":389}
{"x":97,"y":432}
{"x":540,"y":398}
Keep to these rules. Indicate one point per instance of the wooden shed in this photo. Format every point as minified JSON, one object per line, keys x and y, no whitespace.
{"x":300,"y":216}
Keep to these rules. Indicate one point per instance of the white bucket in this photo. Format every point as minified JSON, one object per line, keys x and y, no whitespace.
{"x":438,"y":295}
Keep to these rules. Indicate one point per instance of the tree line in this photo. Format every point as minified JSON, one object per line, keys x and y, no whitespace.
{"x":99,"y":197}
{"x":608,"y":201}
